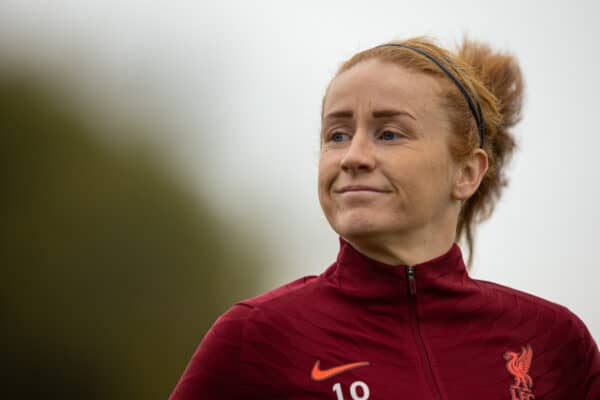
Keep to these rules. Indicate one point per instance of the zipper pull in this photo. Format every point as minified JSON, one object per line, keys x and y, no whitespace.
{"x":412,"y":284}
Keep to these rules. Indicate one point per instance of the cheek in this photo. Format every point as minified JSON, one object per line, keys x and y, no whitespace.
{"x":324,"y":182}
{"x":328,"y":170}
{"x":422,"y":182}
{"x":439,"y":177}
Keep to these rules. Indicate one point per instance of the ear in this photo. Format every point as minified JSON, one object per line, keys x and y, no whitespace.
{"x":470,"y":175}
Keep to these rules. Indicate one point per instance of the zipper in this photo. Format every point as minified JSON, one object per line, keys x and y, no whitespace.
{"x":412,"y":308}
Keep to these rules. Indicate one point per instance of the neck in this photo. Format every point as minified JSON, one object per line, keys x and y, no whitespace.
{"x":404,"y":249}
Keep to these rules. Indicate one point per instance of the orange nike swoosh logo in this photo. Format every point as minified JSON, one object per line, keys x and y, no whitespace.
{"x":319,"y":374}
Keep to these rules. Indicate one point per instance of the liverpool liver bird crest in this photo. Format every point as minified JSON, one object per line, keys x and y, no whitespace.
{"x":518,"y":365}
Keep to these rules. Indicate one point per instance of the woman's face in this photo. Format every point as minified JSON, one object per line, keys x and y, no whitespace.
{"x":385,"y":167}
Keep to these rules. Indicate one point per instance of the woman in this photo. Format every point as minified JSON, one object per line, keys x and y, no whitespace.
{"x":414,"y":141}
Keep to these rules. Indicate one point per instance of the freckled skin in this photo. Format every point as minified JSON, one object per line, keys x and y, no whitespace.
{"x":407,"y":158}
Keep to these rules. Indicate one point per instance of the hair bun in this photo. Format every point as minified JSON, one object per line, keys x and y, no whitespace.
{"x":500,"y":73}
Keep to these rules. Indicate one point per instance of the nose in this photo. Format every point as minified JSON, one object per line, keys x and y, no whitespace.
{"x":359,"y":154}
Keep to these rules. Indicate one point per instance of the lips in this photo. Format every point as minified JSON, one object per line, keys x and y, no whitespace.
{"x":359,"y":188}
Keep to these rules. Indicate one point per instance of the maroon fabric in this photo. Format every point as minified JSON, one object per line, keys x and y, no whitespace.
{"x":445,"y":339}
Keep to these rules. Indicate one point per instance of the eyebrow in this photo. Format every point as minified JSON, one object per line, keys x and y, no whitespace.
{"x":376,"y":114}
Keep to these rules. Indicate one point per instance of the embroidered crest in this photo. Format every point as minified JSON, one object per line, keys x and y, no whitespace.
{"x":518,"y":365}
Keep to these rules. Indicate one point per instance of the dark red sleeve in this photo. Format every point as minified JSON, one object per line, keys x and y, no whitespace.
{"x":213,"y":371}
{"x":592,"y":367}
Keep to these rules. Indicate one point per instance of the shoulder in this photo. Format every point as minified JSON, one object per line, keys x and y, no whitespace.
{"x":231,"y":324}
{"x":510,"y":296}
{"x":281,"y":293}
{"x":216,"y":366}
{"x":233,"y":321}
{"x":540,"y":315}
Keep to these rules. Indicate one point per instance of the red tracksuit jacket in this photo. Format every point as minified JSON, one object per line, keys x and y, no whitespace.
{"x":366,"y":330}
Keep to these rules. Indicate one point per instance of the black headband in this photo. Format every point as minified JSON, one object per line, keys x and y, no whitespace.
{"x":475,"y":108}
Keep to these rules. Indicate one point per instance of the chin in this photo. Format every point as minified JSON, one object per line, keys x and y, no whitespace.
{"x":361,"y":225}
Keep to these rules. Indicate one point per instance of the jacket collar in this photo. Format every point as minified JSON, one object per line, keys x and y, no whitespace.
{"x":360,"y":276}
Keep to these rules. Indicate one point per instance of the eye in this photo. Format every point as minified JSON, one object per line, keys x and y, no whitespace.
{"x":389,"y":135}
{"x":338,"y":136}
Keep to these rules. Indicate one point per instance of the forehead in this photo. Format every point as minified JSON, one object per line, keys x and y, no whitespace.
{"x":381,"y":84}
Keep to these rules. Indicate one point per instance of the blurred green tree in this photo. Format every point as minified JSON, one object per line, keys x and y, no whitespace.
{"x":112,"y":270}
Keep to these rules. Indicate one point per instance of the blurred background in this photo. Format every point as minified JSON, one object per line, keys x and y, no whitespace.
{"x":159,"y":163}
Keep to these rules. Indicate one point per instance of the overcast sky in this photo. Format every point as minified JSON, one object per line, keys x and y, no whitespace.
{"x":243,"y":80}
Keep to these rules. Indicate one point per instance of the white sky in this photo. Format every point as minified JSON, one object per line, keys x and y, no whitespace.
{"x":243,"y":82}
